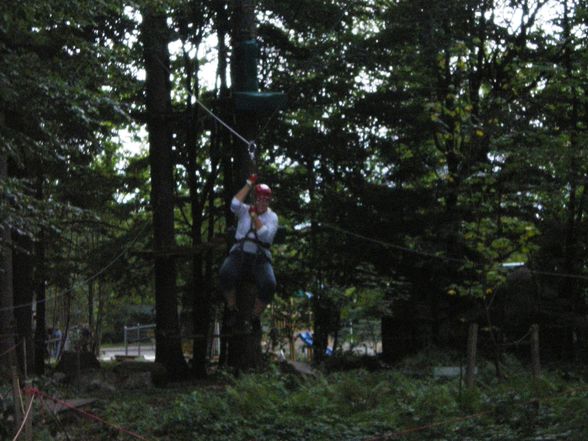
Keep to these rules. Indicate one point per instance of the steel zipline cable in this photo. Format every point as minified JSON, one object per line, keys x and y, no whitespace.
{"x":226,"y":125}
{"x":435,"y":256}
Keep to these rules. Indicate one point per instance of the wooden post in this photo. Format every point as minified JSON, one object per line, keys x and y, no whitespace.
{"x":291,"y":338}
{"x":28,"y":428}
{"x":16,"y":399}
{"x":472,"y":345}
{"x":78,"y":369}
{"x":535,"y":359}
{"x":24,"y":358}
{"x":291,"y":349}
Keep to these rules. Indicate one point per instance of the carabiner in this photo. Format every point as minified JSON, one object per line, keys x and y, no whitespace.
{"x":252,"y":149}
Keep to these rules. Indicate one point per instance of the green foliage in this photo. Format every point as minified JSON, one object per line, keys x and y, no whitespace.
{"x":358,"y":404}
{"x":424,"y":144}
{"x":6,"y":416}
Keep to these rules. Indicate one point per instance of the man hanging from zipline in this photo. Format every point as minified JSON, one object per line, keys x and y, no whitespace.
{"x":256,"y":229}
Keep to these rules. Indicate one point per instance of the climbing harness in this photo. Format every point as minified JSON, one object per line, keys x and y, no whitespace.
{"x":255,"y":240}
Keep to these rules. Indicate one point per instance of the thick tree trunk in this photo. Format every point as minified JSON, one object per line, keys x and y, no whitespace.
{"x":323,"y":313}
{"x":200,"y":294}
{"x":200,"y":308}
{"x":244,"y":351}
{"x":99,"y":319}
{"x":23,"y":264}
{"x":222,"y":136}
{"x":569,"y":288}
{"x":243,"y":29}
{"x":155,"y":38}
{"x":92,"y":345}
{"x":39,"y":281}
{"x":7,"y":322}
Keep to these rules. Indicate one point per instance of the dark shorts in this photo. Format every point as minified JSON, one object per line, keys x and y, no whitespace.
{"x":239,"y":263}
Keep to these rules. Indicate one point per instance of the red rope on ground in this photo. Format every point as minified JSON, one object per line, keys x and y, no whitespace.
{"x":382,"y":437}
{"x":35,"y":391}
{"x":25,"y":418}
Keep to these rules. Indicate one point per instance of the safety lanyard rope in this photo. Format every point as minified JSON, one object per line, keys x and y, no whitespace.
{"x":251,"y":147}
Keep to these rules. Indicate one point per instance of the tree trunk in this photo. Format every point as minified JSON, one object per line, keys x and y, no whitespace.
{"x":39,"y":280}
{"x":200,"y":295}
{"x":471,"y":353}
{"x":92,"y":345}
{"x":321,"y":313}
{"x":155,"y":38}
{"x":7,"y":323}
{"x":23,"y":296}
{"x":573,"y":258}
{"x":244,"y":351}
{"x":200,"y":305}
{"x":222,"y":136}
{"x":99,"y":319}
{"x":243,"y":30}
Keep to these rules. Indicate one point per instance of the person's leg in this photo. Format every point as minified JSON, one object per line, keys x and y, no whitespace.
{"x":266,"y":286}
{"x":229,"y":274}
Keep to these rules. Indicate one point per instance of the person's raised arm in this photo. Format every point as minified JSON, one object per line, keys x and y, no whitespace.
{"x":265,"y":232}
{"x":242,"y":194}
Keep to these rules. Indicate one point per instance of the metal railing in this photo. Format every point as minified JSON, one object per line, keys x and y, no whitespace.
{"x":136,"y":335}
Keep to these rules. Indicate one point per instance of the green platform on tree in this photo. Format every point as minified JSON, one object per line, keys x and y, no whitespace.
{"x":259,"y":102}
{"x":246,"y":97}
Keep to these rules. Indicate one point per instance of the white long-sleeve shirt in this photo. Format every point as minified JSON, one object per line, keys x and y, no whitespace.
{"x":265,"y":234}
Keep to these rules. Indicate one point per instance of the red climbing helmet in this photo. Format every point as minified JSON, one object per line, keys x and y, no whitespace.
{"x":263,"y":191}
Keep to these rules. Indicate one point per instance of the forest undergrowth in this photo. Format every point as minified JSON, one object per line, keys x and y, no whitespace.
{"x":402,"y":402}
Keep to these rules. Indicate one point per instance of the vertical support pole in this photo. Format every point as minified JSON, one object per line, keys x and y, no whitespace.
{"x":535,"y":359}
{"x":216,"y":340}
{"x":290,"y":328}
{"x":292,"y":346}
{"x":471,"y":349}
{"x":24,"y":357}
{"x":78,"y":369}
{"x":139,"y":339}
{"x":126,"y":342}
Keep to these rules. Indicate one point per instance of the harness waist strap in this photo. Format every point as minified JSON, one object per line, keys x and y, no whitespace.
{"x":255,"y":241}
